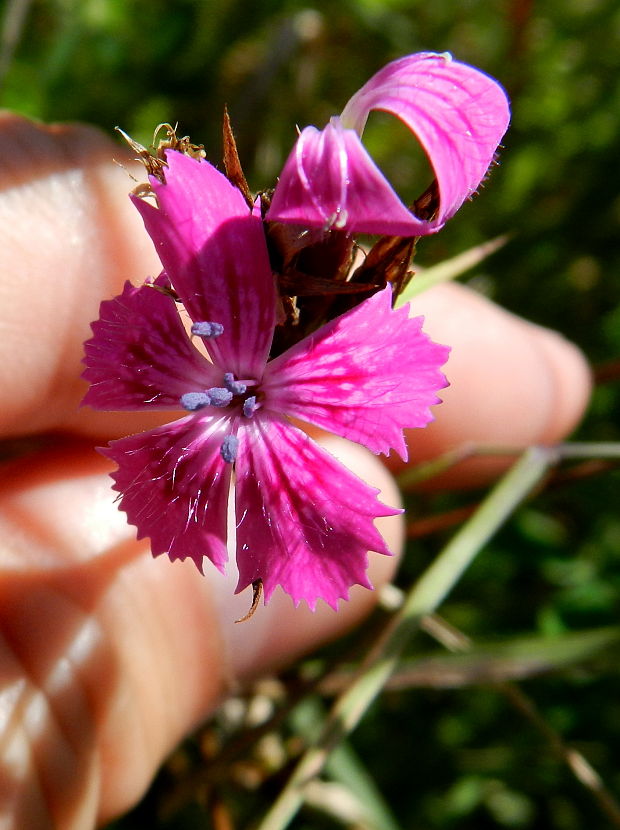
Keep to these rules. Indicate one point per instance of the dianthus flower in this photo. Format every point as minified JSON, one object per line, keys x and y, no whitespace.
{"x":302,"y":520}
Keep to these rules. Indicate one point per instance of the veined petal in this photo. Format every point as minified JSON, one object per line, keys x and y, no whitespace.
{"x":366,"y":375}
{"x":329,"y":180}
{"x":303,"y":520}
{"x":140,"y":355}
{"x":458,"y":113}
{"x":174,"y":487}
{"x":213,"y":249}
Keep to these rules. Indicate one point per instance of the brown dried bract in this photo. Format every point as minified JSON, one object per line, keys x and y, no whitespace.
{"x":315,"y":268}
{"x":297,"y":284}
{"x":426,"y":206}
{"x":388,"y":260}
{"x":232,"y":164}
{"x":257,"y":594}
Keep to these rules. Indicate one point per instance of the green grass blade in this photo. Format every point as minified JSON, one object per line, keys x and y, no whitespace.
{"x":345,"y":767}
{"x":427,"y":593}
{"x":451,"y":268}
{"x":514,"y":659}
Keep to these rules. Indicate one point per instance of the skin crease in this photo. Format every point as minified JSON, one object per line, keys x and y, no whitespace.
{"x":107,"y":656}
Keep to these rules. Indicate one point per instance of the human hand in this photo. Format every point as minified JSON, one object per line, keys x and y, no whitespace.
{"x":108,"y":657}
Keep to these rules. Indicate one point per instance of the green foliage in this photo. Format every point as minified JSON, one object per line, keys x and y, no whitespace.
{"x":463,"y":757}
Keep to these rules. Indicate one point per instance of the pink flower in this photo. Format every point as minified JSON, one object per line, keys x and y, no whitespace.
{"x":458,"y":114}
{"x":302,"y":520}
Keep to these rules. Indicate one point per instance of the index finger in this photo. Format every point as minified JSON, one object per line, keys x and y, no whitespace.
{"x":69,"y":238}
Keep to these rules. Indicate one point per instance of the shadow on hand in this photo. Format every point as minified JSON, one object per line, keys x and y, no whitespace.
{"x":59,"y":669}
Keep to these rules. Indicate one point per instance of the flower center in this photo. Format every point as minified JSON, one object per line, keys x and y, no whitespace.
{"x":233,"y":392}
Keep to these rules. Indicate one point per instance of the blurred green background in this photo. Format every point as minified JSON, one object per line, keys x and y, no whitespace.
{"x":460,"y":758}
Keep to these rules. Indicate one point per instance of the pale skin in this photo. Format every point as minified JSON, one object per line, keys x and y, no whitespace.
{"x":108,"y":657}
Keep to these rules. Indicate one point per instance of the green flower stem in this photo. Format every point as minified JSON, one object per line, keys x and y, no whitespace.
{"x":423,"y":598}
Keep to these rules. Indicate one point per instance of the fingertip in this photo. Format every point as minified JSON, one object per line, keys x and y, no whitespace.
{"x":512,"y":384}
{"x":570,"y":379}
{"x":70,"y":237}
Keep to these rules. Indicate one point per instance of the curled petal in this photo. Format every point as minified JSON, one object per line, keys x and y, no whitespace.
{"x":303,"y":520}
{"x":214,"y":252}
{"x":459,"y":115}
{"x":330,"y":181}
{"x":174,"y":487}
{"x":139,"y":356}
{"x":366,"y":375}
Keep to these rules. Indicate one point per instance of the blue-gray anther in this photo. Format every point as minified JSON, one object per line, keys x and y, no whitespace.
{"x":249,"y":406}
{"x":235,"y":386}
{"x":229,"y":448}
{"x":218,"y":396}
{"x":195,"y":400}
{"x":205,"y":329}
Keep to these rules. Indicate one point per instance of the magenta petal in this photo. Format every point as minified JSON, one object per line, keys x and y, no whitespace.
{"x":458,"y":113}
{"x":174,"y":487}
{"x":213,"y":249}
{"x":303,"y":520}
{"x":365,"y":375}
{"x":329,"y":180}
{"x":140,"y":356}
